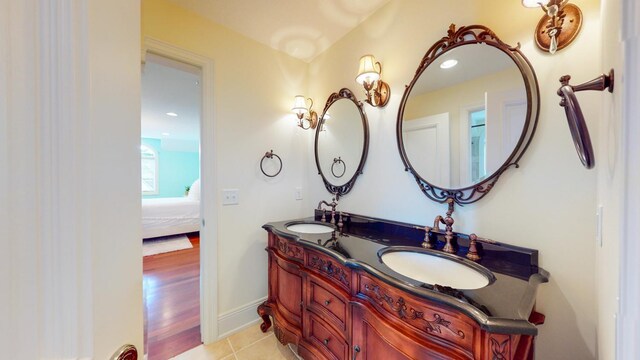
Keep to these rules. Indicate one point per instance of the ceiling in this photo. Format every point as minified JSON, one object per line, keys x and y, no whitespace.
{"x":300,"y":28}
{"x":170,"y":86}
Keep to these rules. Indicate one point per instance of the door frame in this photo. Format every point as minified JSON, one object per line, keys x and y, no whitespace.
{"x":627,"y":346}
{"x":464,"y":132}
{"x":208,"y":180}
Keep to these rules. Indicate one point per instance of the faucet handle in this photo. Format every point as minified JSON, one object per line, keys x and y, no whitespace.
{"x":427,"y":240}
{"x":472,"y":254}
{"x":436,"y":223}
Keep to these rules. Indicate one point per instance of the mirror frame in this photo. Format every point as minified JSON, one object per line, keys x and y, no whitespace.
{"x":466,"y":35}
{"x":339,"y":190}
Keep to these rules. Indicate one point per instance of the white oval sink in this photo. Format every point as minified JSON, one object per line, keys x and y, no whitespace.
{"x":433,"y":269}
{"x":305,"y":228}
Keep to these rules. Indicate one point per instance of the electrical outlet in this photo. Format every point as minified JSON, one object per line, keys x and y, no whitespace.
{"x":298,"y":193}
{"x":230,"y":197}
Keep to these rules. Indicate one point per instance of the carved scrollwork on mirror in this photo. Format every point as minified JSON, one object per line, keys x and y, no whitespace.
{"x":342,"y":137}
{"x":468,"y":114}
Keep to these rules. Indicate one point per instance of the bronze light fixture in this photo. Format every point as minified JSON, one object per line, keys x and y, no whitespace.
{"x":305,"y":114}
{"x":559,"y":26}
{"x":369,"y":76}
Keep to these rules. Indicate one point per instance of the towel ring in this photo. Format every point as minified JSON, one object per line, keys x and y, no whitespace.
{"x":338,"y":160}
{"x":270,"y":155}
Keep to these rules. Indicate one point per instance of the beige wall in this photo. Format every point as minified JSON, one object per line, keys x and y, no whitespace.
{"x":253,"y":92}
{"x":548,"y":203}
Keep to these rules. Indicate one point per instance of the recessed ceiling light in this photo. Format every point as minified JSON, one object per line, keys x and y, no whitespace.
{"x":172,"y":114}
{"x":165,"y":134}
{"x":448,"y":64}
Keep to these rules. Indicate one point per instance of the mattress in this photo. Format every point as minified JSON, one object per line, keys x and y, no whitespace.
{"x":169,"y":216}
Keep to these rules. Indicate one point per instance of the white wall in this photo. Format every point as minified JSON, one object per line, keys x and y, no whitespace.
{"x":547,"y":204}
{"x":253,"y":92}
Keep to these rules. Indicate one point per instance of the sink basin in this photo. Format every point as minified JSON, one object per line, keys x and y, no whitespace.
{"x":434,"y":267}
{"x":310,"y":228}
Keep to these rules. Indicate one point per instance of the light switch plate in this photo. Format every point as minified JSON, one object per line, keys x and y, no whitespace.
{"x":298,"y":193}
{"x":230,"y":197}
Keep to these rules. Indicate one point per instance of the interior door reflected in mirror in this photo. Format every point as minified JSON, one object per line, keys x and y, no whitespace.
{"x":468,"y":114}
{"x":342,"y":141}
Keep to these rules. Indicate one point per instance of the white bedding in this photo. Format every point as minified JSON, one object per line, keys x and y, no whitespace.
{"x":169,"y":216}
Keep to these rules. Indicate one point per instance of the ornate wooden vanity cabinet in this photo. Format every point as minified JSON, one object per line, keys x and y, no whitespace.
{"x":336,"y":298}
{"x":332,"y":311}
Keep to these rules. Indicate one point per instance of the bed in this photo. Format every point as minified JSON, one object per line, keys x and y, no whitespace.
{"x":170,"y":216}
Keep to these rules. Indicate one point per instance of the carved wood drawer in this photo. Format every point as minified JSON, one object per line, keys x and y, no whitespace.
{"x":431,"y":320}
{"x":328,"y":302}
{"x":286,"y":248}
{"x":327,"y":340}
{"x":330,"y":269}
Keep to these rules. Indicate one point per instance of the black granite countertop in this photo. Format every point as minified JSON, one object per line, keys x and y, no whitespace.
{"x":503,"y":306}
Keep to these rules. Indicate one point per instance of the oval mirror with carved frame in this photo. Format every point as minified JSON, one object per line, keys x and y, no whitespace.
{"x":468,"y":114}
{"x":341,"y":142}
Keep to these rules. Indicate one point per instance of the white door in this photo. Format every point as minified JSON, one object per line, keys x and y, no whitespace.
{"x":505,"y":118}
{"x":70,"y":249}
{"x":426,"y":141}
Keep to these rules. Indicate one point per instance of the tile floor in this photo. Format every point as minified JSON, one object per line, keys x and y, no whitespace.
{"x":249,"y":344}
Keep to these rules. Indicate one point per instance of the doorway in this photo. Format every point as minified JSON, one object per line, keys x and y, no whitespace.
{"x":208,"y":219}
{"x":171,"y":202}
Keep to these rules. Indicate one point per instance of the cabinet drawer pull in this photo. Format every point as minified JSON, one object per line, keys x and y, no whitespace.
{"x":327,"y":302}
{"x":326,"y":341}
{"x":356,"y":350}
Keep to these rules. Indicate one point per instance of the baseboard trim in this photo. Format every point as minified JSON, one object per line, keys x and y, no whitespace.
{"x":239,"y":318}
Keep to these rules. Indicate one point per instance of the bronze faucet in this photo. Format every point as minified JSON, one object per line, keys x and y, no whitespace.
{"x":472,"y":254}
{"x":448,"y":222}
{"x":333,"y":205}
{"x":427,"y":241}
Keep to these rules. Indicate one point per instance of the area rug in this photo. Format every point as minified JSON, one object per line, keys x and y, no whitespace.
{"x":165,"y":244}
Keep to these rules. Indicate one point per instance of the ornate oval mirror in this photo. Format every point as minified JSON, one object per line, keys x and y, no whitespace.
{"x":468,"y":114}
{"x":342,"y":141}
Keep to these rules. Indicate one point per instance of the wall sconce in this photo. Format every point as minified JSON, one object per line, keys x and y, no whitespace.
{"x":300,"y":109}
{"x":559,"y":26}
{"x":369,"y":76}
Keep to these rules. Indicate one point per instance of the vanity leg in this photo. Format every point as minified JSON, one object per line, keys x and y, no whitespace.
{"x":263,"y":311}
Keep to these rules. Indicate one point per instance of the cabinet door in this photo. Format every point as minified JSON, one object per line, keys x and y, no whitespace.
{"x":286,"y":286}
{"x":374,"y":339}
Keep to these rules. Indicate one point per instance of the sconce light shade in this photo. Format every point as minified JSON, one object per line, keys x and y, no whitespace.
{"x":299,"y":105}
{"x":368,"y":71}
{"x":369,"y":76}
{"x":300,"y":109}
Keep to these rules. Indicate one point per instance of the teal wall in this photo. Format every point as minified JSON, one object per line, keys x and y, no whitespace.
{"x":176,"y":169}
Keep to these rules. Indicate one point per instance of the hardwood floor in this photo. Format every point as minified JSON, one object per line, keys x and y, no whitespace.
{"x":172,"y":301}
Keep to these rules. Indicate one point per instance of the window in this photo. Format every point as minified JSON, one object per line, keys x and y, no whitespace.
{"x":149,"y":163}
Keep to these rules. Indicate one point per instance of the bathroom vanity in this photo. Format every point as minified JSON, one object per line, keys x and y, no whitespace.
{"x":345,"y":286}
{"x":332,"y":295}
